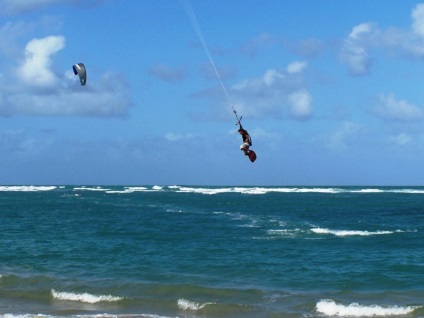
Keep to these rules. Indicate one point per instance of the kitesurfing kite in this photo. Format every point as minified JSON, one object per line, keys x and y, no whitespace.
{"x":79,"y":69}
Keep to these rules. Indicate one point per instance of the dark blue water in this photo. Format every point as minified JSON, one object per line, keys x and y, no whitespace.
{"x":211,"y":252}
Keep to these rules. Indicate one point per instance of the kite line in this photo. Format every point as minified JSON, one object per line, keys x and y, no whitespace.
{"x":196,"y":26}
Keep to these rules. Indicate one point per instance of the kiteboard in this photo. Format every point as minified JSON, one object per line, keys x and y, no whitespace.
{"x":252,"y":155}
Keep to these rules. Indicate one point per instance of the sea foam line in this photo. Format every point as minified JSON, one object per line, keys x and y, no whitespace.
{"x":319,"y":230}
{"x":137,"y":189}
{"x":249,"y":190}
{"x":329,"y":307}
{"x":90,"y":189}
{"x":27,"y":188}
{"x":84,"y":297}
{"x":253,"y":190}
{"x":155,"y":188}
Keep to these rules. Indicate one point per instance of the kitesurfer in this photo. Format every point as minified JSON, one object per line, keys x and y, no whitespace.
{"x":247,"y":141}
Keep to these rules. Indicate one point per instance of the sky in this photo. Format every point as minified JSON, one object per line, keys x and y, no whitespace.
{"x":331,"y":92}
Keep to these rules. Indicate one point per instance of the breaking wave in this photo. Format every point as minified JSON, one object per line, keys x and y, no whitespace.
{"x":26,"y":188}
{"x":329,"y":307}
{"x":219,"y":190}
{"x":299,"y":232}
{"x":265,"y":190}
{"x":319,"y":230}
{"x":84,"y":297}
{"x":253,"y":190}
{"x":185,"y":304}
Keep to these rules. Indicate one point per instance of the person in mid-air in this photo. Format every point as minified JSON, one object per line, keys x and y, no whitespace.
{"x":247,"y":141}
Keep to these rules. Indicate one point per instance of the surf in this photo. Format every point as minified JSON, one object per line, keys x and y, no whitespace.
{"x":329,"y":307}
{"x":84,"y":297}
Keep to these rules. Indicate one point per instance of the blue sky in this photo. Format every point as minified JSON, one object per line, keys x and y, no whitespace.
{"x":332,"y":92}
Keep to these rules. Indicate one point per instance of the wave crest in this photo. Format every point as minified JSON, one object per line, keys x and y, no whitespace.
{"x":185,"y":304}
{"x":329,"y":307}
{"x":319,"y":230}
{"x":84,"y":297}
{"x":26,"y":188}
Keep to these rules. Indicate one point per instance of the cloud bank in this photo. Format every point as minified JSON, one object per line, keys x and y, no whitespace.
{"x":357,"y":48}
{"x":277,"y":93}
{"x":35,"y":88}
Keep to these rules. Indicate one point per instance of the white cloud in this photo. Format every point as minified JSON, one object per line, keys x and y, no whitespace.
{"x":277,"y":93}
{"x":389,"y":108}
{"x":357,"y":48}
{"x":418,"y":20}
{"x":12,"y":34}
{"x":300,"y":104}
{"x":108,"y":98}
{"x":296,"y":67}
{"x":273,"y":76}
{"x":37,"y":90}
{"x":36,"y":69}
{"x":354,"y":51}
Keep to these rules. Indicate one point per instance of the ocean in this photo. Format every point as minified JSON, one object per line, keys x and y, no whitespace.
{"x":189,"y":251}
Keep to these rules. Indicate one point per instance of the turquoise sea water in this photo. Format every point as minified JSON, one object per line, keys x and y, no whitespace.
{"x":179,"y":251}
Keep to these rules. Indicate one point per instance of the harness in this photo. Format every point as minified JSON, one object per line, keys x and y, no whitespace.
{"x":246,"y":138}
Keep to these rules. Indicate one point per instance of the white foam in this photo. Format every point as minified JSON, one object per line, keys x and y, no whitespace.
{"x":265,"y":190}
{"x":261,"y":190}
{"x":351,"y":232}
{"x":285,"y":232}
{"x":319,"y":190}
{"x":368,"y":191}
{"x":136,"y":189}
{"x":91,"y":189}
{"x":408,"y":191}
{"x":185,"y":304}
{"x":124,"y":190}
{"x":203,"y":190}
{"x":253,"y":190}
{"x":143,"y":189}
{"x":27,"y":188}
{"x":129,"y":190}
{"x":84,"y":297}
{"x":329,"y":308}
